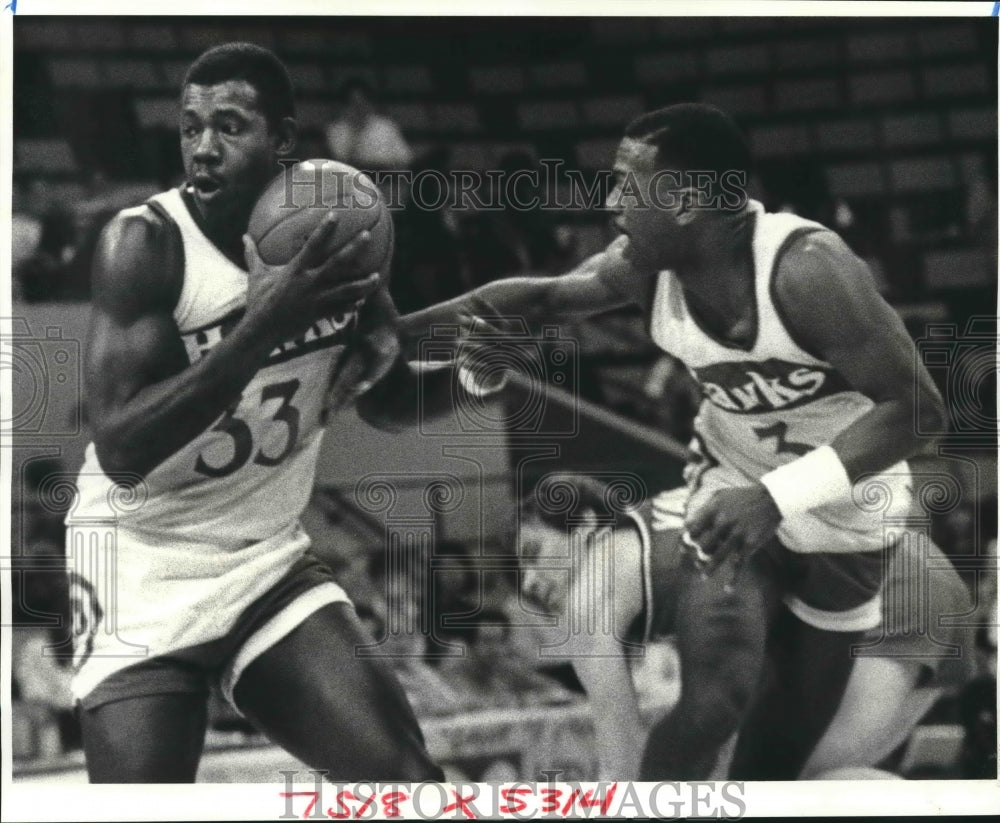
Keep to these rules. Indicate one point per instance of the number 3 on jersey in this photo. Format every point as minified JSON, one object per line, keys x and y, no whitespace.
{"x":242,"y":437}
{"x":783,"y":445}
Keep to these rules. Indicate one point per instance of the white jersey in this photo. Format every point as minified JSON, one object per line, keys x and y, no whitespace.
{"x":771,"y":402}
{"x":215,"y":525}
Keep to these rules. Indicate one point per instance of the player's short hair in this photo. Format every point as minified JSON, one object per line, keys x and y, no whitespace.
{"x":693,"y":137}
{"x":258,"y":66}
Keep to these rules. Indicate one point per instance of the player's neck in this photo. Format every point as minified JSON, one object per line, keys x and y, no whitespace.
{"x":720,"y":270}
{"x":224,"y":231}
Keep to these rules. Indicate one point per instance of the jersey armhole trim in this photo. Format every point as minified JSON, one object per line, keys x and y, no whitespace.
{"x":177,"y":239}
{"x":793,"y":237}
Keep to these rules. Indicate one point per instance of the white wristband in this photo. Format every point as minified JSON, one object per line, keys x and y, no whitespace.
{"x":812,"y":480}
{"x":468,"y":381}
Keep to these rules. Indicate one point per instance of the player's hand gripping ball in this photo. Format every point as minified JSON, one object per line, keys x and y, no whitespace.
{"x":290,"y":209}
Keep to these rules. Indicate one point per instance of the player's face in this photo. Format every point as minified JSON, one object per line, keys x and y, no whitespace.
{"x":544,"y":554}
{"x":228,"y":150}
{"x":641,"y":210}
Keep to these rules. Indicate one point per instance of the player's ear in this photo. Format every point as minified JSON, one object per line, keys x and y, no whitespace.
{"x":687,"y":202}
{"x":285,"y":136}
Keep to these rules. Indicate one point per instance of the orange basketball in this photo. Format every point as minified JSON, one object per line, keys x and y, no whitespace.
{"x":299,"y":198}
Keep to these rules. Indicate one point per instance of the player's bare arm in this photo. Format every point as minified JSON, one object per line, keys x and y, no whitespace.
{"x":601,"y":283}
{"x":144,"y":399}
{"x":832,"y":308}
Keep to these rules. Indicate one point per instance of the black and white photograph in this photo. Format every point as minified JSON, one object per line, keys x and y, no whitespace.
{"x":503,"y":413}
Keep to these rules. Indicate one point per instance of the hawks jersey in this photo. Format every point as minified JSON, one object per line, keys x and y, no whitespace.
{"x":216,"y":524}
{"x":771,"y":402}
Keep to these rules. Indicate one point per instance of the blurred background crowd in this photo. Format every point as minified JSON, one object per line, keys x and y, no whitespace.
{"x":885,"y":130}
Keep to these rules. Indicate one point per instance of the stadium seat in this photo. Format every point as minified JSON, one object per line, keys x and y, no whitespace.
{"x":738,"y":60}
{"x":806,"y":54}
{"x":775,"y":141}
{"x":131,"y":74}
{"x":686,"y":29}
{"x":973,"y":123}
{"x":308,"y":77}
{"x":174,"y":72}
{"x":947,"y":81}
{"x":548,"y":114}
{"x":570,"y":74}
{"x":76,"y":74}
{"x":798,"y":95}
{"x":845,"y":135}
{"x":159,"y":112}
{"x":454,"y":117}
{"x":497,"y":79}
{"x":408,"y":79}
{"x":314,"y":114}
{"x":596,"y":154}
{"x":946,"y":39}
{"x":42,"y":33}
{"x":620,"y":30}
{"x":737,"y":99}
{"x":475,"y":156}
{"x":198,"y":38}
{"x":355,"y":71}
{"x":106,"y":35}
{"x":409,"y":116}
{"x":152,"y":37}
{"x":882,"y":87}
{"x":613,"y":110}
{"x":878,"y":47}
{"x":855,"y":179}
{"x":911,"y":130}
{"x":922,"y":174}
{"x":957,"y":268}
{"x":660,"y":69}
{"x":43,"y":155}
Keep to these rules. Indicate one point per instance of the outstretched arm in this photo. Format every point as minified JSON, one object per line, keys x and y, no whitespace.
{"x":601,"y":283}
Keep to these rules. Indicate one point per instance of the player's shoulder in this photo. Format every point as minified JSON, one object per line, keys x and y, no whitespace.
{"x":817,"y":263}
{"x":139,"y":258}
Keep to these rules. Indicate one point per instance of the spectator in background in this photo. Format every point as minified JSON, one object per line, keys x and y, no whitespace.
{"x":363,"y":138}
{"x":430,"y":264}
{"x":521,"y":238}
{"x":47,"y":273}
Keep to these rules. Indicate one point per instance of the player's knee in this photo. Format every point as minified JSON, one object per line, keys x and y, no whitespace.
{"x":714,"y":713}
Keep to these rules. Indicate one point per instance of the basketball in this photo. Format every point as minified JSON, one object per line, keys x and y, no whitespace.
{"x":298,"y":199}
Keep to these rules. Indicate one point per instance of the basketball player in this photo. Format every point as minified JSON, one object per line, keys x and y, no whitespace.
{"x":206,"y":389}
{"x":622,"y":582}
{"x":810,"y":387}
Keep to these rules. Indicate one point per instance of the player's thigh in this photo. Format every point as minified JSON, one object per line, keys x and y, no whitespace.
{"x":321,"y":698}
{"x":722,"y":626}
{"x":149,"y":739}
{"x":879,"y":710}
